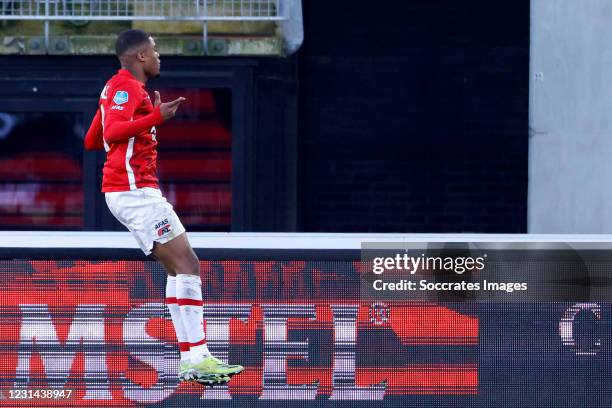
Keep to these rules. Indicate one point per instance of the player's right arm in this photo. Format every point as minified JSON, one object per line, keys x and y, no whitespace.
{"x":93,"y":138}
{"x":119,"y":125}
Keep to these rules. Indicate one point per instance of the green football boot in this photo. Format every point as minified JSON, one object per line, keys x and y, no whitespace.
{"x":186,"y":371}
{"x":211,"y":371}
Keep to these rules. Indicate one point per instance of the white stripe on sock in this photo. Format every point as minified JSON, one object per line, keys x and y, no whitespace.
{"x":190,"y":287}
{"x":177,"y":320}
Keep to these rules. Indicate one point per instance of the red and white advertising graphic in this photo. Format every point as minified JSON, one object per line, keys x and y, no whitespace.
{"x":101,"y":332}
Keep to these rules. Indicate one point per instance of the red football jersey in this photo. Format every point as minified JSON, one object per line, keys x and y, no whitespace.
{"x":125,"y":125}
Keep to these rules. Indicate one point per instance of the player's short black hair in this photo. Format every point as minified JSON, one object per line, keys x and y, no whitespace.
{"x":129,"y":39}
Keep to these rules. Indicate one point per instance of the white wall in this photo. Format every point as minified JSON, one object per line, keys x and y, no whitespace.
{"x":570,"y":148}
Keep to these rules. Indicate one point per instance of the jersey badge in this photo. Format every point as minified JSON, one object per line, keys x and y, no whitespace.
{"x":121,"y":97}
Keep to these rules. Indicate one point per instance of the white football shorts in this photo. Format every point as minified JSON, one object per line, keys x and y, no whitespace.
{"x":147,"y":214}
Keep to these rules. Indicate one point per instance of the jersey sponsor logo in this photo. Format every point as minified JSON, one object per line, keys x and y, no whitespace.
{"x":117,"y":107}
{"x":161,"y":223}
{"x":163,"y":228}
{"x":121,"y":97}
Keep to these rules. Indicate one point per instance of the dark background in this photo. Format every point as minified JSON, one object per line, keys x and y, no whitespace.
{"x":414,"y":116}
{"x":392,"y":117}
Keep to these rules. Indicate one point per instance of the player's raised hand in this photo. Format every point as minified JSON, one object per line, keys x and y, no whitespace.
{"x":167,"y":109}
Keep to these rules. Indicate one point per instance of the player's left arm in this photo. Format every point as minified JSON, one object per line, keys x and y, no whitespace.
{"x":119,"y":125}
{"x":93,"y":138}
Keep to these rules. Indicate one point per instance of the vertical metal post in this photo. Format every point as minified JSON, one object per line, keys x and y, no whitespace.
{"x":205,"y":28}
{"x":47,"y":25}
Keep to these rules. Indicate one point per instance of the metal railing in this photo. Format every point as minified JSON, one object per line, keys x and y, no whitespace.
{"x":204,"y":11}
{"x":149,"y":10}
